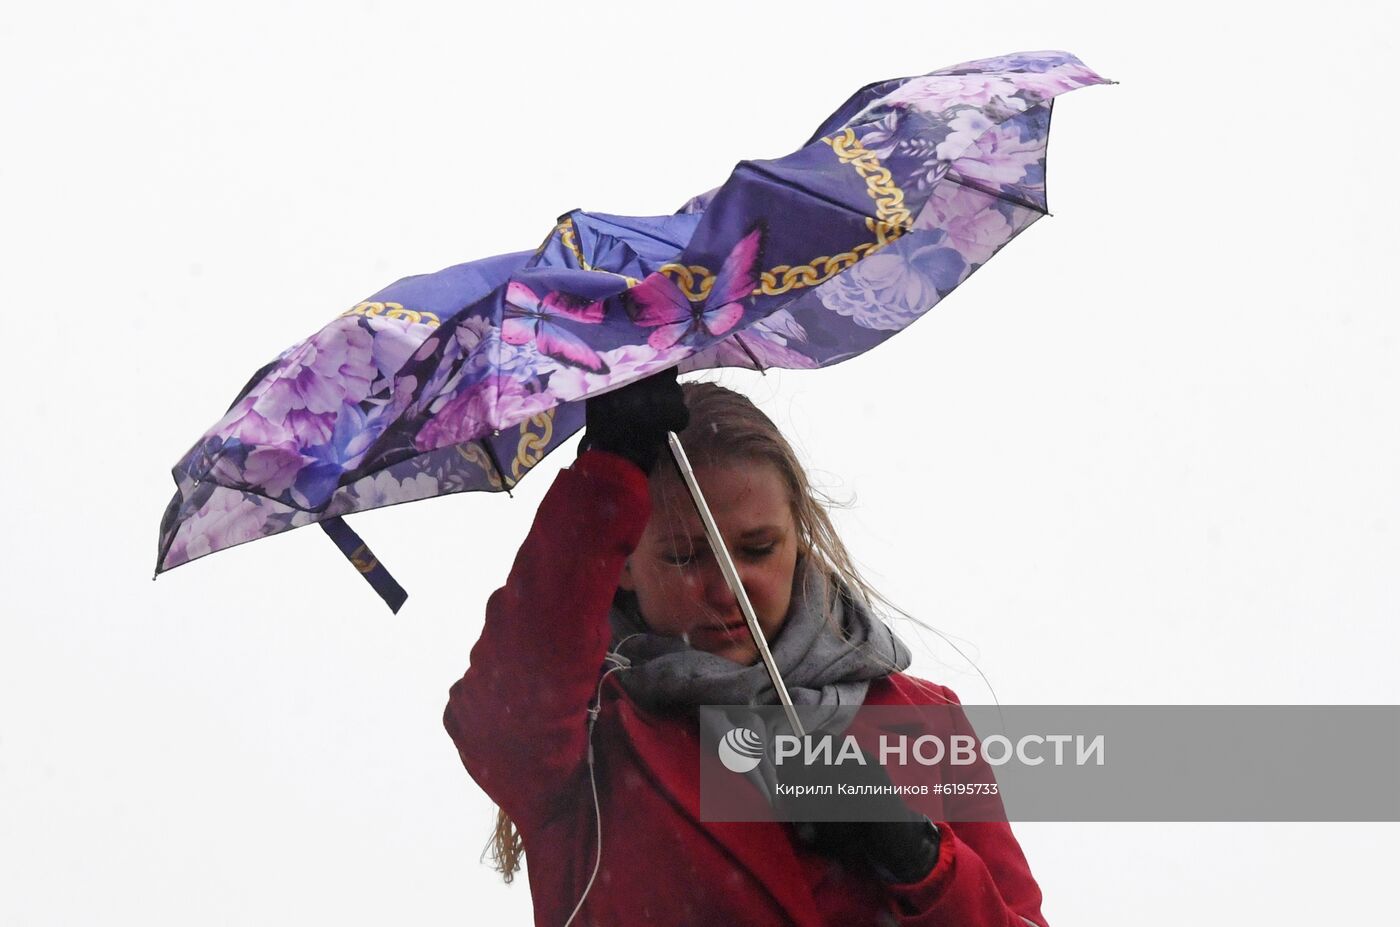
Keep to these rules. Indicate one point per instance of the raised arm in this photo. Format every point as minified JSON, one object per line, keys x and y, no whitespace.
{"x":518,"y":715}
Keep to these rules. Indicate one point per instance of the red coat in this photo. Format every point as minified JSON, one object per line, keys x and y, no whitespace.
{"x":518,"y":718}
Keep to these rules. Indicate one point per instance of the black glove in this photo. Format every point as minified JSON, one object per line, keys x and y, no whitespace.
{"x":632,"y":421}
{"x":901,"y":850}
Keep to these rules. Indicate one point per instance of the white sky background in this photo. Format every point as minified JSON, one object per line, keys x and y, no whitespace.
{"x":1148,"y":455}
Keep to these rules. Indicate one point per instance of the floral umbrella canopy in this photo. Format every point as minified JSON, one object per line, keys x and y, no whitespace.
{"x":464,"y":379}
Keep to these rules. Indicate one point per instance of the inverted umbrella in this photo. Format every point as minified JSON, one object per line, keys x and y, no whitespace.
{"x":464,"y":379}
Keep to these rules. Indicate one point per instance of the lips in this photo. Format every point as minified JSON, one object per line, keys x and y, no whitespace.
{"x":721,"y":629}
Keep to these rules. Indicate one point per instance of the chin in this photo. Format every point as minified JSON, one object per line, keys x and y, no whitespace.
{"x":744,"y":656}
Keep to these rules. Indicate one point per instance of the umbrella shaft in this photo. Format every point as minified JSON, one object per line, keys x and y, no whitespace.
{"x":731,"y":576}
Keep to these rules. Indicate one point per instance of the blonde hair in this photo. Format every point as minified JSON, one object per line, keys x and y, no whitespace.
{"x":725,"y":427}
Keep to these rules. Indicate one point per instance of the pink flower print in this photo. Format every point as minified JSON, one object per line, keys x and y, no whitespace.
{"x":968,"y":218}
{"x":493,"y":403}
{"x":228,"y":518}
{"x":937,"y":93}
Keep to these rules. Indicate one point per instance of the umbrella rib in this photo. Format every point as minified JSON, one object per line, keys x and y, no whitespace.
{"x":971,"y":185}
{"x":500,"y":474}
{"x":639,"y":232}
{"x":757,"y":365}
{"x":818,"y":196}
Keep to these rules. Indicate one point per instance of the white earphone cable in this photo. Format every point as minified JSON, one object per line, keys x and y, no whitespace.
{"x":619,"y":662}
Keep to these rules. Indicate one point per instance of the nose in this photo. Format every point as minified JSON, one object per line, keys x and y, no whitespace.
{"x":718,"y":594}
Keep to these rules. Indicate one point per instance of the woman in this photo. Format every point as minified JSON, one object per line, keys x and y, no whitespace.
{"x":578,"y":714}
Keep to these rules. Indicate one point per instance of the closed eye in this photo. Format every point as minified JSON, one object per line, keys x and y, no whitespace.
{"x":748,"y":552}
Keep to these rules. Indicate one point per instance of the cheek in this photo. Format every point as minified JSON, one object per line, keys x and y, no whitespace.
{"x":780,"y":605}
{"x":775,"y":586}
{"x":669,"y":596}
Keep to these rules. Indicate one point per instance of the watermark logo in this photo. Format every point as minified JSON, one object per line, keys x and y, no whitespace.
{"x":740,"y":750}
{"x":960,"y":763}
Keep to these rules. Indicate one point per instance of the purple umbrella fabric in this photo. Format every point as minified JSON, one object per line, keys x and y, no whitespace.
{"x":464,"y":379}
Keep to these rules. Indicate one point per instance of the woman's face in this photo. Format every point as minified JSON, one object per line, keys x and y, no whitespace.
{"x":674,"y":573}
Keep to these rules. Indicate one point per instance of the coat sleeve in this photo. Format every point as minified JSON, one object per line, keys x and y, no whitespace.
{"x":518,"y":716}
{"x":981,"y":876}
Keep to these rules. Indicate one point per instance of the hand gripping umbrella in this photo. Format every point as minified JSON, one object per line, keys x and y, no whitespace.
{"x":463,"y":380}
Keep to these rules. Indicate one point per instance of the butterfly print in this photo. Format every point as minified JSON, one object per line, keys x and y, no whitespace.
{"x":658,"y":303}
{"x":529,"y":319}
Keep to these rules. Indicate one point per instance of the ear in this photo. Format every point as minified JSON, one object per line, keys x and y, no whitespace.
{"x":625,"y":581}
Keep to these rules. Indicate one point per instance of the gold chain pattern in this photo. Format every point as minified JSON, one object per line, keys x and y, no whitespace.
{"x":892,"y":219}
{"x":566,"y":237}
{"x":473,"y":454}
{"x":363,"y":560}
{"x":890,"y":211}
{"x":532,"y":446}
{"x":395,"y":311}
{"x":694,"y":281}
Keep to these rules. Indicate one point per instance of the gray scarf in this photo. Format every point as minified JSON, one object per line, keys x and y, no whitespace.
{"x":817,"y":665}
